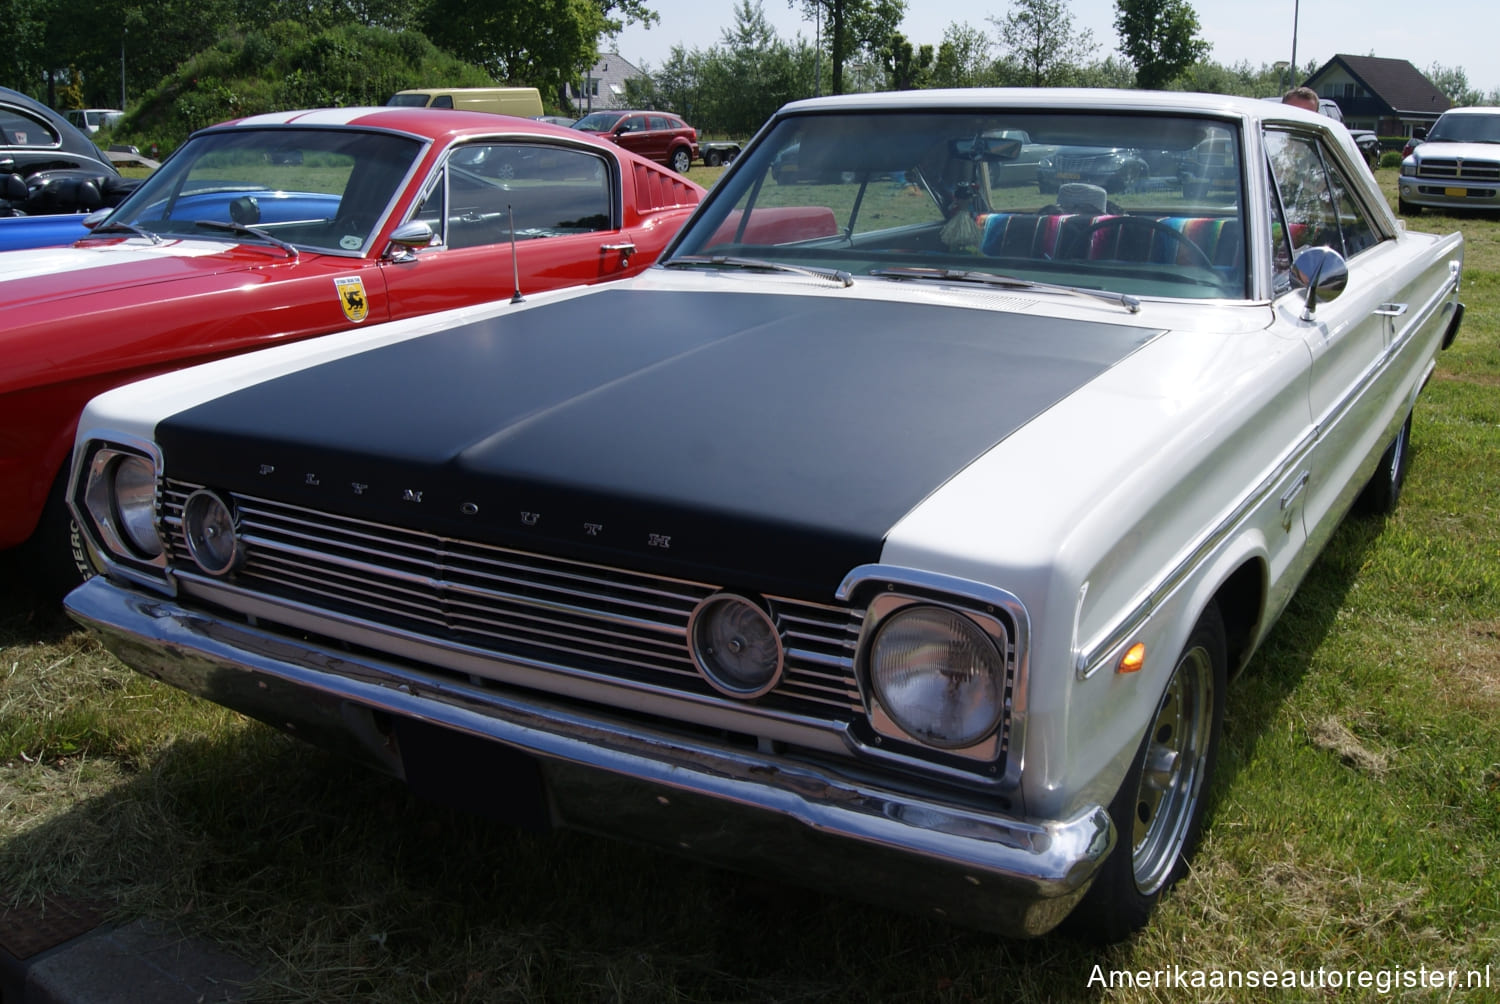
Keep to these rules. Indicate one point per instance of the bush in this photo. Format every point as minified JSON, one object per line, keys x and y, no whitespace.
{"x":1391,"y":158}
{"x":283,"y":66}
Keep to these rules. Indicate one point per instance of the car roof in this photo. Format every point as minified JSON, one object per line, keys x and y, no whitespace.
{"x":434,"y":123}
{"x":1059,"y":98}
{"x":71,"y":140}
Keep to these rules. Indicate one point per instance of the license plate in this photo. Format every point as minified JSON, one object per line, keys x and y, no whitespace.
{"x":1069,"y":175}
{"x":1456,"y":193}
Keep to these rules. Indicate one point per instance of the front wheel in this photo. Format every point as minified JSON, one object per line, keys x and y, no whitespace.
{"x":1380,"y":495}
{"x":713,"y":158}
{"x":681,"y":160}
{"x":1158,"y":811}
{"x":56,"y":553}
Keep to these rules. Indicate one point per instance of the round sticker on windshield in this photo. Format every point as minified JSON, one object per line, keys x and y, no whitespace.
{"x":351,"y":242}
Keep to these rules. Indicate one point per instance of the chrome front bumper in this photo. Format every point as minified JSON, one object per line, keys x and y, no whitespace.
{"x":736,"y":807}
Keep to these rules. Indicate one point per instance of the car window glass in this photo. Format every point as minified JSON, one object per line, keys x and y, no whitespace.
{"x":443,"y":101}
{"x":20,"y":129}
{"x":1281,"y":247}
{"x":1319,"y":207}
{"x":532,"y":190}
{"x":1130,"y":202}
{"x":1354,"y":225}
{"x":1302,"y":182}
{"x":313,"y":187}
{"x":657,"y":122}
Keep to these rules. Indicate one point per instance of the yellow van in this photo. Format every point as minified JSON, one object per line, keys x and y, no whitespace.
{"x":523,"y":101}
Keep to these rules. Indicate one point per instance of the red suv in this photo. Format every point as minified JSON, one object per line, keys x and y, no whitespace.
{"x":657,"y":136}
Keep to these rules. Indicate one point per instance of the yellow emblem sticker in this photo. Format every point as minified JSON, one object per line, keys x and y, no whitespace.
{"x":352,"y":297}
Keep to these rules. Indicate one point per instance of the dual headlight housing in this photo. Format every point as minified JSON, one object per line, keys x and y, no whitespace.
{"x":937,"y":676}
{"x":119,"y":507}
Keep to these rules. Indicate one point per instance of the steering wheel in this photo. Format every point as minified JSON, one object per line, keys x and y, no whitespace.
{"x":1156,"y":226}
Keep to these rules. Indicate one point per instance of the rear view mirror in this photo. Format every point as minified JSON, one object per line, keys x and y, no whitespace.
{"x":988,"y":147}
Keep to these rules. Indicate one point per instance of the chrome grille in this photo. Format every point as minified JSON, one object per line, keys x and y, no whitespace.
{"x":592,"y":619}
{"x":1083,"y":163}
{"x":1453,"y":169}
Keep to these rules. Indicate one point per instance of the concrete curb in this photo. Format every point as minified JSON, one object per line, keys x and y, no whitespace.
{"x":143,"y":962}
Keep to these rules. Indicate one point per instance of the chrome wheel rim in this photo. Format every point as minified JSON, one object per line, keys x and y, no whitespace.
{"x":1173,"y":771}
{"x":1397,"y":456}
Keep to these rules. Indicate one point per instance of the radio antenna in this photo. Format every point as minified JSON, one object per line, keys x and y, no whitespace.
{"x":515,"y":263}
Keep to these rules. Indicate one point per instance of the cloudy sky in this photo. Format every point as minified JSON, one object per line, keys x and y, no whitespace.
{"x":1461,"y":33}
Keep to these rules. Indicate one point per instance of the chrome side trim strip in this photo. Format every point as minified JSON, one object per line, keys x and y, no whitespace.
{"x":1091,"y":659}
{"x":1098,"y":654}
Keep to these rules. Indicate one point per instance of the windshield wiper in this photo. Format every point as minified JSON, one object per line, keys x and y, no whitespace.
{"x":240,"y":228}
{"x":1125,"y":300}
{"x":119,"y":227}
{"x":760,"y":265}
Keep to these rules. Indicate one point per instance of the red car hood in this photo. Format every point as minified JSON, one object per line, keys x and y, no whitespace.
{"x":42,"y":274}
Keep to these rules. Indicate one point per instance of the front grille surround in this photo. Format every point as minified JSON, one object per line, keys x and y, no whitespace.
{"x":590,"y":622}
{"x":1459,"y":170}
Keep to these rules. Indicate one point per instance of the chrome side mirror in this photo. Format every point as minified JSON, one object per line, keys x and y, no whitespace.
{"x":1323,"y":272}
{"x":409,"y":236}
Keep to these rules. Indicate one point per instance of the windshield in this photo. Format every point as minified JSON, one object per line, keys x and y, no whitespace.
{"x":1469,"y":128}
{"x":598,"y":121}
{"x":1124,"y":202}
{"x":317,"y":189}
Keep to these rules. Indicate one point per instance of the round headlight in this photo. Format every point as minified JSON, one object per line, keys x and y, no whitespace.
{"x":212,"y":537}
{"x":736,"y":645}
{"x":938,"y":676}
{"x":133,"y":491}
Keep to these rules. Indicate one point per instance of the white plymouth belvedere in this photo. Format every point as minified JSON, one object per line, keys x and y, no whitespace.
{"x":898,"y":532}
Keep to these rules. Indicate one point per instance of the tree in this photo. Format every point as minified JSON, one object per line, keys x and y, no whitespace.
{"x":906,"y":67}
{"x":1454,"y":83}
{"x":1160,"y":37}
{"x":543,"y":43}
{"x":1039,"y":38}
{"x":23,"y":26}
{"x":963,"y":58}
{"x":753,"y":72}
{"x":852,"y":25}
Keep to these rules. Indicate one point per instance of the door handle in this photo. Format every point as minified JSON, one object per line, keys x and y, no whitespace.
{"x":1391,"y":309}
{"x":626,"y":249}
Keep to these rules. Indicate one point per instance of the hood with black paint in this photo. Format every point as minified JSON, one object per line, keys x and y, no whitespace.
{"x":761,"y":440}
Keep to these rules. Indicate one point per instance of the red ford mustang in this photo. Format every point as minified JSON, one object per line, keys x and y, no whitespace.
{"x":293,"y":224}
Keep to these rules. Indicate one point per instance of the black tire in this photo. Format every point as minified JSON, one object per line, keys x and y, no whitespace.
{"x":713,"y":158}
{"x":1158,"y":811}
{"x":1380,"y":495}
{"x":1404,"y":208}
{"x":680,"y":160}
{"x":55,"y":550}
{"x":1047,"y":187}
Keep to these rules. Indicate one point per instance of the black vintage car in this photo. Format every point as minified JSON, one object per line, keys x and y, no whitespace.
{"x":48,"y":167}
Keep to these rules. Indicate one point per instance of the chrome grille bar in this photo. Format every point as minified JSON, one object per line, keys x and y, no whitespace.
{"x":600,"y":620}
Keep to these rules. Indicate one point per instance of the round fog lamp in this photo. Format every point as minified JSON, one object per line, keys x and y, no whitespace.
{"x":212,"y":537}
{"x":735,"y":645}
{"x":938,"y":676}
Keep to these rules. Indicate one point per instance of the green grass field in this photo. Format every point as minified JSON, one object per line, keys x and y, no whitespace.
{"x":1355,"y":821}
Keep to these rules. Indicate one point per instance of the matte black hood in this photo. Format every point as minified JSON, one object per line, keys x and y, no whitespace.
{"x":765,"y":441}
